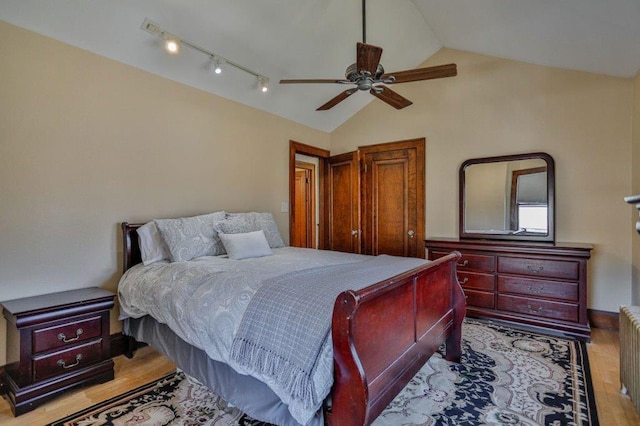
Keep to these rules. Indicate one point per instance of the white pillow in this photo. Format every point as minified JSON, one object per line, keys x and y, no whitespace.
{"x":246,"y":245}
{"x":151,"y":243}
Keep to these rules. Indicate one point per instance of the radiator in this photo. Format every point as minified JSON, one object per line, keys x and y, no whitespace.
{"x":630,"y":353}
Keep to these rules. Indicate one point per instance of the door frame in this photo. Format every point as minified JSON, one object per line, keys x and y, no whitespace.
{"x":322,"y":155}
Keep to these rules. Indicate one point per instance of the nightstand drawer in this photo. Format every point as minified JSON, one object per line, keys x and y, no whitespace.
{"x":540,"y":288}
{"x":74,"y":358}
{"x":560,"y":269}
{"x":68,"y":334}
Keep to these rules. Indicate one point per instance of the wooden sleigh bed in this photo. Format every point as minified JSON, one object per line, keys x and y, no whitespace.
{"x":375,"y":355}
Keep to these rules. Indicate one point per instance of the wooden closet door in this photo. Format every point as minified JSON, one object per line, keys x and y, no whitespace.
{"x":343,"y":210}
{"x":393,"y":198}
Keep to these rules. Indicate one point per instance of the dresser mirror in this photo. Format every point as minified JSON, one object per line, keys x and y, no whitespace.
{"x":510,"y":197}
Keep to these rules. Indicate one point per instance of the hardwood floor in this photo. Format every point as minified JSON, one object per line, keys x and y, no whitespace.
{"x":146,"y":366}
{"x":614,"y":408}
{"x":604,"y":359}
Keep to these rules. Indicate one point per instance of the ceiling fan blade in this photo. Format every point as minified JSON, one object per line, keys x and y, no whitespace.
{"x":368,"y":57}
{"x":313,"y":80}
{"x":418,"y":74}
{"x":389,"y":96}
{"x":336,"y":100}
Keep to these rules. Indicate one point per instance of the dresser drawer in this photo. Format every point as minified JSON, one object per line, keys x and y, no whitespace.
{"x":475,"y":262}
{"x":74,"y":358}
{"x":477,"y":281}
{"x":560,"y":269}
{"x":67,"y":334}
{"x":541,"y":288}
{"x":538,"y":307}
{"x":480,"y":299}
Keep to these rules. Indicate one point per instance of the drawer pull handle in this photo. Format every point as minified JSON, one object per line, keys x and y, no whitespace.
{"x":464,"y":280}
{"x":534,"y":311}
{"x":62,"y":364}
{"x":536,"y":290}
{"x":463,"y":263}
{"x":63,"y":338}
{"x":535,"y":269}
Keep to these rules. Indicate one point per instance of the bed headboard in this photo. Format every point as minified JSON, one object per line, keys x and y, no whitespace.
{"x":130,"y":247}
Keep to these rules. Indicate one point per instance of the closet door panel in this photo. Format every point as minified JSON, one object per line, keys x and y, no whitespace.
{"x":344,"y":203}
{"x":393,"y":198}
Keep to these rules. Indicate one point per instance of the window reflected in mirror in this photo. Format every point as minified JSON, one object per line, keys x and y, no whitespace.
{"x":509,"y":197}
{"x":528,"y":200}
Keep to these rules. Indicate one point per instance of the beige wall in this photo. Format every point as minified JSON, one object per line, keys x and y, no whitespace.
{"x":498,"y":107}
{"x":635,"y":189}
{"x":87,"y":142}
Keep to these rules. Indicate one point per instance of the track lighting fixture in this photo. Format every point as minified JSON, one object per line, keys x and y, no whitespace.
{"x":216,"y":64}
{"x":263,"y":84}
{"x":173,"y":44}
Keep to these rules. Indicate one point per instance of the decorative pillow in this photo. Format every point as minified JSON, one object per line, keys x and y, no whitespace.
{"x":253,"y":221}
{"x":152,"y":245}
{"x":246,"y":245}
{"x":191,"y":237}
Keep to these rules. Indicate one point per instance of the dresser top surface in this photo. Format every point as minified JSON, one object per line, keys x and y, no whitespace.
{"x":581,"y":249}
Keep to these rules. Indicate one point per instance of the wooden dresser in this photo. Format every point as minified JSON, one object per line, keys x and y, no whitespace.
{"x":541,"y":285}
{"x":56,"y":342}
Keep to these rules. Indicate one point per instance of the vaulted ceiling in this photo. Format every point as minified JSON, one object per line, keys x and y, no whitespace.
{"x":290,"y":39}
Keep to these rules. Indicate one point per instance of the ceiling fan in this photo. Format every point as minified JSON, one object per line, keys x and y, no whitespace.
{"x":368,"y":74}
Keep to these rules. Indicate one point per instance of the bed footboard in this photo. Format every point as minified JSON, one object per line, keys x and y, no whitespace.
{"x":383,"y":334}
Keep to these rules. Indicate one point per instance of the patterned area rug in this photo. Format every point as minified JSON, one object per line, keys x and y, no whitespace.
{"x":506,"y":377}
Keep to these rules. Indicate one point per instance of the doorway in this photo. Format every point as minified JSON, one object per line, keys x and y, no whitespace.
{"x":304,"y":206}
{"x":319,"y":157}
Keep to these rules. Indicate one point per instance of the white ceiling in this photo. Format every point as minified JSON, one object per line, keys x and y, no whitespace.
{"x":316,"y":39}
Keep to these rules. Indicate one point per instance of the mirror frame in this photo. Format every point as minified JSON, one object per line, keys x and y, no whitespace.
{"x":551,"y":183}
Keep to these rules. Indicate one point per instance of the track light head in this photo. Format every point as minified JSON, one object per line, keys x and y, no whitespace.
{"x":172,"y":45}
{"x":216,"y":64}
{"x":263,"y":84}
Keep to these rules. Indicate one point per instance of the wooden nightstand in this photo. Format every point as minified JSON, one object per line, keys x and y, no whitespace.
{"x":56,"y":342}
